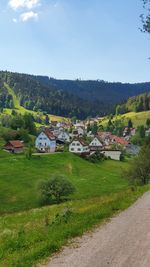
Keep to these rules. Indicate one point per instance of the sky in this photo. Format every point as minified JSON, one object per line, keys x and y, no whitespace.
{"x":70,"y":39}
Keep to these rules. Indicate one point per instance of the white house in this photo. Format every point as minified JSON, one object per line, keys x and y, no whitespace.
{"x":63,"y":136}
{"x":147,"y":132}
{"x":96,"y":144}
{"x":46,"y":141}
{"x":79,"y":146}
{"x":80,"y":130}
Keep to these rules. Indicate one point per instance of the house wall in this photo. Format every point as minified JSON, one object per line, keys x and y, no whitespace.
{"x":96,"y":142}
{"x":80,"y":131}
{"x":112,"y":154}
{"x":43,"y":143}
{"x":64,"y":137}
{"x":77,"y":147}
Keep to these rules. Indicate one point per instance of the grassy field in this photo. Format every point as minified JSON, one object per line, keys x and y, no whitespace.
{"x":138,"y":118}
{"x":30,"y":233}
{"x":19,"y":178}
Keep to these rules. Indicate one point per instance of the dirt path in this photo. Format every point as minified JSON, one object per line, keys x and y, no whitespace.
{"x":124,"y":241}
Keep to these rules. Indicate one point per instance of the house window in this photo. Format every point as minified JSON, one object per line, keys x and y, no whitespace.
{"x":72,"y":149}
{"x":73,"y":144}
{"x":79,"y":149}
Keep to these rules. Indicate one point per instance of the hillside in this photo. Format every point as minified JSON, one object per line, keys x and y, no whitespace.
{"x":107,"y":92}
{"x":29,"y":235}
{"x":22,"y":192}
{"x":136,"y":104}
{"x":36,"y":96}
{"x":65,"y":97}
{"x":14,"y":104}
{"x":138,"y":118}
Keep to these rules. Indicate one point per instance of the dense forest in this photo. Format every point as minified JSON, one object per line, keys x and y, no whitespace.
{"x":66,"y":98}
{"x":106,"y":92}
{"x":6,"y":100}
{"x":136,"y":104}
{"x":37,"y":96}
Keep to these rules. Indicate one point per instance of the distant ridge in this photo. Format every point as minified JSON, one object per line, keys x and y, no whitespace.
{"x":67,"y":97}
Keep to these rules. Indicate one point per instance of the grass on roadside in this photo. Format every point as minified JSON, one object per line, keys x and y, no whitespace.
{"x":30,"y":237}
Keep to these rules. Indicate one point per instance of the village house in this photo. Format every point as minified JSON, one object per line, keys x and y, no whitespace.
{"x":81,"y":131}
{"x":46,"y":141}
{"x":14,"y":146}
{"x":147,"y":132}
{"x":119,"y":141}
{"x":96,"y":144}
{"x":79,"y":146}
{"x":63,"y":136}
{"x":106,"y":138}
{"x":129,"y":132}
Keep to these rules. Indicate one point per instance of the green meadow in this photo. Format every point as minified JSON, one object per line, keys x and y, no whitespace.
{"x":31,"y":233}
{"x":19,"y":178}
{"x":138,"y":118}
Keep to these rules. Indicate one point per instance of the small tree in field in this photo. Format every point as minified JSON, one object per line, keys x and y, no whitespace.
{"x":55,"y":190}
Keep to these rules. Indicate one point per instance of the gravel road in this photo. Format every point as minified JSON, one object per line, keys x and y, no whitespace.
{"x":122,"y":242}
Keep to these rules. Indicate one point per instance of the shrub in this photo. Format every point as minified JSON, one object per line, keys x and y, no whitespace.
{"x":55,"y":190}
{"x":139,"y":170}
{"x":96,"y":157}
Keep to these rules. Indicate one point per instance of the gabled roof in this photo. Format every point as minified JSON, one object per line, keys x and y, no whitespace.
{"x":49,"y":134}
{"x":119,"y":140}
{"x":15,"y":144}
{"x":81,"y":141}
{"x":98,"y":138}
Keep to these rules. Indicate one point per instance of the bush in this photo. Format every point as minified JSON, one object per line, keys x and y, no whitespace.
{"x":139,"y":170}
{"x":55,"y":190}
{"x":96,"y":157}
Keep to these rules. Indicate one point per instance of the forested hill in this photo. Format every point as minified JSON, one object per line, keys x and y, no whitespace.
{"x":137,"y":104}
{"x":65,"y":97}
{"x":35,"y":95}
{"x":107,"y":92}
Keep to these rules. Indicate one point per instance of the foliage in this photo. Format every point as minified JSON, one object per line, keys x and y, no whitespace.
{"x":139,"y":171}
{"x":137,"y":103}
{"x":19,"y":184}
{"x":148,"y":122}
{"x":94,"y":128}
{"x":96,"y":157}
{"x":29,"y":152}
{"x":56,"y":189}
{"x":28,"y":238}
{"x":63,"y":97}
{"x":146,"y":17}
{"x":130,"y":124}
{"x":116,"y":127}
{"x":139,"y":137}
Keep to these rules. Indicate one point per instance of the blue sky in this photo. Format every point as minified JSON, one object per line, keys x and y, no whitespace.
{"x":87,"y":39}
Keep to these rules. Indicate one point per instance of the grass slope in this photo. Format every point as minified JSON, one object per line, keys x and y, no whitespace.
{"x":30,"y":236}
{"x":23,"y":110}
{"x":138,"y":118}
{"x":19,"y":178}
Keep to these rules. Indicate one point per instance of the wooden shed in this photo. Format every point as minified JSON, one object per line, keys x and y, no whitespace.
{"x":14,"y":146}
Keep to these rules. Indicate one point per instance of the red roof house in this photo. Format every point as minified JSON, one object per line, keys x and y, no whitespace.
{"x":14,"y":146}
